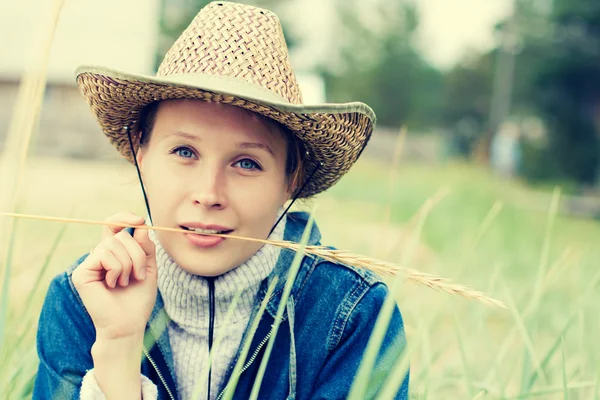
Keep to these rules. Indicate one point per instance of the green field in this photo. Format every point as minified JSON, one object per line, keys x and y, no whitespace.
{"x":493,"y":235}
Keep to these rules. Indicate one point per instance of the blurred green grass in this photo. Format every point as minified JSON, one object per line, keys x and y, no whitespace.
{"x":462,"y":349}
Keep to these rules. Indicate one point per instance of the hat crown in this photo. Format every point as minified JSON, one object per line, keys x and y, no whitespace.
{"x":235,"y":41}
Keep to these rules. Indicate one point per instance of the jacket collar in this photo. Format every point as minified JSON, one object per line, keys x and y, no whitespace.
{"x":296,"y":223}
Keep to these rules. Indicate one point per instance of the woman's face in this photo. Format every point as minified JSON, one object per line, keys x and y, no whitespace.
{"x":216,"y":167}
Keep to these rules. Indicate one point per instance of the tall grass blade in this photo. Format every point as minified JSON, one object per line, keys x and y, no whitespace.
{"x":387,"y":214}
{"x":358,"y":390}
{"x":549,"y":391}
{"x":287,"y":289}
{"x":597,"y":386}
{"x":361,"y":380}
{"x":42,"y":271}
{"x":530,"y":309}
{"x":4,"y":300}
{"x":537,"y":290}
{"x":463,"y":356}
{"x":27,"y":387}
{"x":520,"y":324}
{"x":526,"y":371}
{"x":529,"y":356}
{"x":395,"y":378}
{"x":428,"y":204}
{"x":428,"y":358}
{"x":550,"y":353}
{"x":487,"y":222}
{"x":423,"y":374}
{"x":570,"y":320}
{"x":564,"y":372}
{"x":533,"y":304}
{"x":23,"y":122}
{"x":229,"y":391}
{"x":25,"y":366}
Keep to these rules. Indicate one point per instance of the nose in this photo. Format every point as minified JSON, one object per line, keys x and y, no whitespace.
{"x":210,"y":189}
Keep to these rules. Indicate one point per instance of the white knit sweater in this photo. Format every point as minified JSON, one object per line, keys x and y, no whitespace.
{"x":186,"y":302}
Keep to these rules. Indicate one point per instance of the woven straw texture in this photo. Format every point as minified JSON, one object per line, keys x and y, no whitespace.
{"x":244,"y":44}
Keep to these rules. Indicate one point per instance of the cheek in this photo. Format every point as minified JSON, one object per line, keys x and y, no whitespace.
{"x":162,"y":185}
{"x":262,"y":191}
{"x":258,"y":203}
{"x":153,"y":179}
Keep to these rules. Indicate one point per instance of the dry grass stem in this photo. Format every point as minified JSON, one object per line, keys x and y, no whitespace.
{"x":387,"y":214}
{"x":22,"y":126}
{"x":394,"y":172}
{"x":336,"y":256}
{"x":437,"y":197}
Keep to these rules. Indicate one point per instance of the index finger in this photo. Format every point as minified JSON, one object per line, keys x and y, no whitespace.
{"x":123,"y":218}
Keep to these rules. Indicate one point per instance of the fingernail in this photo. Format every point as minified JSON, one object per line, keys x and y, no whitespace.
{"x":143,"y":273}
{"x":126,"y":281}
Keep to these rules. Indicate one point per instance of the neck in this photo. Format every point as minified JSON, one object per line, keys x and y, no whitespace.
{"x":186,"y":296}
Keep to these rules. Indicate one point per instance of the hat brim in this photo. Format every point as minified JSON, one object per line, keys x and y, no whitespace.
{"x":334,"y":135}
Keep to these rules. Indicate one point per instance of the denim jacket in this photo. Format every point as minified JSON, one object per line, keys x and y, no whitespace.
{"x":328,"y":320}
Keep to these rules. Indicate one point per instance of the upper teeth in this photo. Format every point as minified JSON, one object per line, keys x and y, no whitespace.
{"x":200,"y":230}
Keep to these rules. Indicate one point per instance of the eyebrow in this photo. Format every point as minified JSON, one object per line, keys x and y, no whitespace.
{"x":243,"y":145}
{"x":184,"y":135}
{"x":255,"y":145}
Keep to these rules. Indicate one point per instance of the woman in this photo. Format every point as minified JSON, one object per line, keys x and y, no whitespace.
{"x":221,"y":141}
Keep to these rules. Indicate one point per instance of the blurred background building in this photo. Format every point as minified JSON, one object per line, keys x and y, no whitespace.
{"x":452,"y":71}
{"x":116,"y":33}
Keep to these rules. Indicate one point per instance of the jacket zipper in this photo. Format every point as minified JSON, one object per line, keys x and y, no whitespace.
{"x":249,"y":363}
{"x":211,"y":325}
{"x":147,"y":353}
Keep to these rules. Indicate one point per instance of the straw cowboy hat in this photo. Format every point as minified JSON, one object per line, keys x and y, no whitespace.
{"x":234,"y":54}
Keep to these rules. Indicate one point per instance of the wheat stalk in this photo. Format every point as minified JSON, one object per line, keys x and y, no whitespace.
{"x":336,"y":256}
{"x":387,"y":268}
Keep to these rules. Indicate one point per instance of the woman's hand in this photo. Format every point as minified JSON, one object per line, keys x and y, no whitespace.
{"x":117,"y":281}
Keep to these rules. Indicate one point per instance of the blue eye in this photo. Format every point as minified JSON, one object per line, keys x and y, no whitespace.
{"x":248,"y":164}
{"x":184,"y":152}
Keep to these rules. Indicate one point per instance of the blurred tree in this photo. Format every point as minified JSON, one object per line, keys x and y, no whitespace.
{"x":567,"y":86}
{"x":377,"y":63}
{"x":486,"y":89}
{"x":556,"y":46}
{"x":465,"y":101}
{"x":558,"y":78}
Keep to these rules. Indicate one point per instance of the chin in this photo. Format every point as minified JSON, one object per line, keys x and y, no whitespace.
{"x":205,"y":269}
{"x":207,"y":272}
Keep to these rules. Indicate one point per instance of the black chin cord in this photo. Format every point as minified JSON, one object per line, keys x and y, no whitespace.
{"x":137,"y":167}
{"x":312,"y":174}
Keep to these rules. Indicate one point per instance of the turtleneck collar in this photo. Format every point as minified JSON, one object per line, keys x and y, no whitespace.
{"x":186,"y":296}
